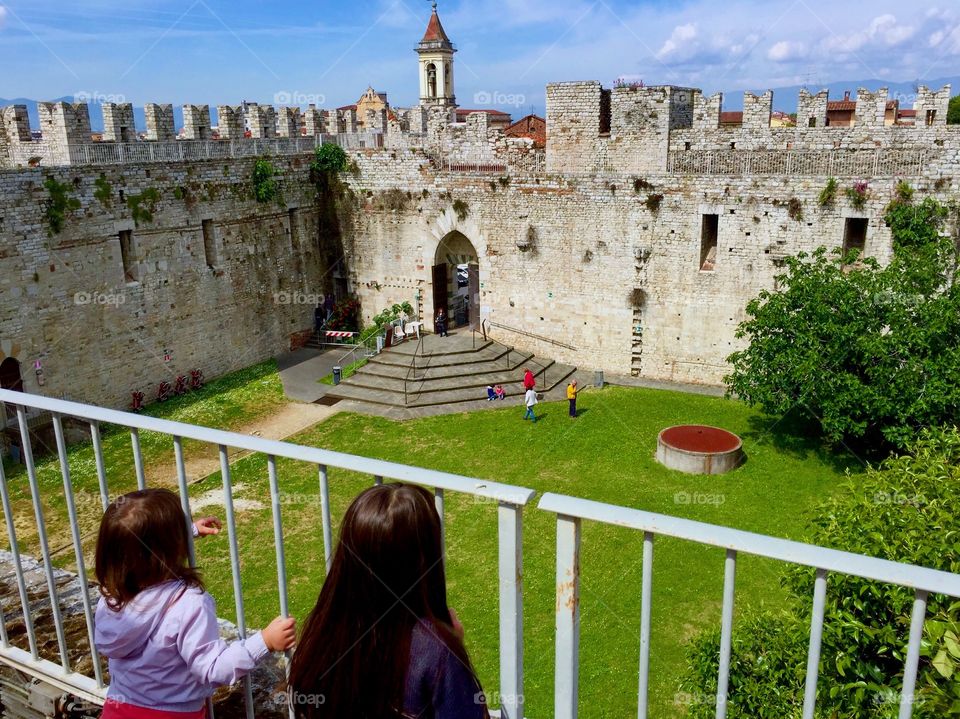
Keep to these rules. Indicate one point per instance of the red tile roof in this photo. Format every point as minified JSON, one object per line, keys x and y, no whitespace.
{"x":461,"y":111}
{"x":731,"y":118}
{"x":435,"y":32}
{"x":348,"y":107}
{"x":908,"y":113}
{"x":531,"y":126}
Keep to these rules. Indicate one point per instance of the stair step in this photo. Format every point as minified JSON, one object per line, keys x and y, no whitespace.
{"x":479,"y":381}
{"x":517,"y":361}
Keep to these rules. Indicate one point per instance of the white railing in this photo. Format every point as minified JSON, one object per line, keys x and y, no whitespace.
{"x":510,"y":503}
{"x":119,"y":153}
{"x":875,"y":162}
{"x":571,"y":512}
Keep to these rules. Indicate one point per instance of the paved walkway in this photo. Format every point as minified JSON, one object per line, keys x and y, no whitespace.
{"x":626,"y":381}
{"x":301,"y":370}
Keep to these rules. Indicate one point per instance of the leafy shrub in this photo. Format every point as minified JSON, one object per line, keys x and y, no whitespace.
{"x":640,"y":184}
{"x":265,"y":187}
{"x":828,"y":194}
{"x":902,"y":511}
{"x":858,"y":193}
{"x":329,"y":159}
{"x":104,"y":192}
{"x":795,"y":209}
{"x":462,"y":209}
{"x":346,"y":316}
{"x":654,"y":201}
{"x":58,"y":205}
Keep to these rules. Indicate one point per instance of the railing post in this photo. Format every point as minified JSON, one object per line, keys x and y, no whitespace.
{"x":325,"y":516}
{"x":816,"y":637}
{"x":726,"y":632}
{"x":646,"y":599}
{"x":510,"y":529}
{"x":567,"y":660}
{"x":913,"y":654}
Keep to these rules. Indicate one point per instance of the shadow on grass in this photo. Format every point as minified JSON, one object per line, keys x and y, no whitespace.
{"x":799,"y":435}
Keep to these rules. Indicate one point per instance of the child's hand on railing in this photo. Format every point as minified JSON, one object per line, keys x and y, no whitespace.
{"x":206,"y":526}
{"x":456,"y":624}
{"x":280,"y":634}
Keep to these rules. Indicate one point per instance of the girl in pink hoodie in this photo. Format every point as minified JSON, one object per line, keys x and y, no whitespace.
{"x":155,"y":623}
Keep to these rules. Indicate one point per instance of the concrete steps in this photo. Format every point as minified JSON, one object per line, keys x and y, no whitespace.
{"x":448,"y":371}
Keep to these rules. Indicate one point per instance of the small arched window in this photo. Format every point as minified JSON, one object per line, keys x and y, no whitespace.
{"x":431,"y":80}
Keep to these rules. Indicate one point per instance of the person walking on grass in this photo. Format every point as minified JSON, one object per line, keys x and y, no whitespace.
{"x":572,"y":392}
{"x":530,"y":401}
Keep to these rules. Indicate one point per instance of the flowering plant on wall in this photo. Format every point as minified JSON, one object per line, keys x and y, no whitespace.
{"x":346,"y":316}
{"x":858,"y":193}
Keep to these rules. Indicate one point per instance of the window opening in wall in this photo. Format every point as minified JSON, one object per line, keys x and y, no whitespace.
{"x":733,"y":146}
{"x":855,"y":235}
{"x":687,"y":145}
{"x":931,"y":117}
{"x":812,"y":122}
{"x":605,"y":112}
{"x":708,"y":242}
{"x":128,"y":256}
{"x":210,"y":244}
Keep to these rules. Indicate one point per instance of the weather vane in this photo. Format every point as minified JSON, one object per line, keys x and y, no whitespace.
{"x":434,"y":5}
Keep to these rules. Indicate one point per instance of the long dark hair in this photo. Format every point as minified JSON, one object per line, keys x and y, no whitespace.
{"x":386,"y":575}
{"x":142,"y":542}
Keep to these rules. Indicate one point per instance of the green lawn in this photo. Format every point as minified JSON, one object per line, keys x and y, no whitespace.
{"x":227,"y":403}
{"x":607,"y":455}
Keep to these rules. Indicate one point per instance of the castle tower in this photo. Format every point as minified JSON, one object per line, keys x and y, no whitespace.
{"x":436,"y":65}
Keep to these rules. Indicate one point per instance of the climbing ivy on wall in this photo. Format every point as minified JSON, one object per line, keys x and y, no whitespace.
{"x":104,"y":191}
{"x":58,"y":205}
{"x":143,"y":206}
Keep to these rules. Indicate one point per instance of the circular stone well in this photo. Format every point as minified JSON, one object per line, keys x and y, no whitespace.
{"x":698,"y":449}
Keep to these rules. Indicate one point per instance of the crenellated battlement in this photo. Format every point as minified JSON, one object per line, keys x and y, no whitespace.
{"x":638,"y":129}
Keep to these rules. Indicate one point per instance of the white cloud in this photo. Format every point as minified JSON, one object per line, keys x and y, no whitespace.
{"x":680,"y":42}
{"x":3,"y":16}
{"x":787,"y":51}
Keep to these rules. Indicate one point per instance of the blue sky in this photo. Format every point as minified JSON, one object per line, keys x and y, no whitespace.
{"x":225,"y":51}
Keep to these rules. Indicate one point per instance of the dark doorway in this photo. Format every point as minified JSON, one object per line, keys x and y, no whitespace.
{"x":439,"y":291}
{"x":10,"y":377}
{"x":473,"y":296}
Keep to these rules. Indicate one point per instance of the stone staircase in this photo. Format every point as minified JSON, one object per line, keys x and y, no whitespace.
{"x":443,"y":371}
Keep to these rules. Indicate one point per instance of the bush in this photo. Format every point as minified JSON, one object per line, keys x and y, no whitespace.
{"x":264,"y":185}
{"x":59,"y":204}
{"x":901,"y":511}
{"x":329,"y":159}
{"x":828,"y":194}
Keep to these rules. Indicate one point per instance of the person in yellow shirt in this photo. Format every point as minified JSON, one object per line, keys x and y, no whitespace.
{"x":572,"y":392}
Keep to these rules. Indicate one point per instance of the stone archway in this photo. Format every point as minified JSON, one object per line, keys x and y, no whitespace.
{"x":456,"y":280}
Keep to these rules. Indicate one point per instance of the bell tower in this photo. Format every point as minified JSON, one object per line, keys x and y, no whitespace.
{"x":436,"y":65}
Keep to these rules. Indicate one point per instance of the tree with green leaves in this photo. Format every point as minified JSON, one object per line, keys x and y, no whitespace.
{"x":953,"y":113}
{"x":869,"y":354}
{"x":903,"y":511}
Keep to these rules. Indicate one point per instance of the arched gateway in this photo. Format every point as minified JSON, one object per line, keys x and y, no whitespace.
{"x":456,"y":281}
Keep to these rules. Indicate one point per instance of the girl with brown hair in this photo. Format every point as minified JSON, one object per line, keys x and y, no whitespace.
{"x":155,"y":623}
{"x":381,"y":642}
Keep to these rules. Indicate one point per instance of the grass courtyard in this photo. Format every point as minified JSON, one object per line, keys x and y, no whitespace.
{"x":606,"y":455}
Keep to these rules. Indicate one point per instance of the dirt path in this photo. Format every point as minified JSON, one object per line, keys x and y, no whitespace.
{"x":200,"y":462}
{"x":292,"y":419}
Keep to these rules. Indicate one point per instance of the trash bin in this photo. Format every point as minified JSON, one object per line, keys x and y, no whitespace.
{"x":337,"y":374}
{"x":380,"y":343}
{"x":598,"y":379}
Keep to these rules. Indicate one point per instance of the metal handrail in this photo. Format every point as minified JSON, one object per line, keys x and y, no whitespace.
{"x":510,"y":501}
{"x":571,"y":512}
{"x":413,"y":367}
{"x":532,"y":335}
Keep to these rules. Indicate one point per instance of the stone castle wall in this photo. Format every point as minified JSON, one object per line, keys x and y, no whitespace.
{"x":215,"y":280}
{"x":602,"y":249}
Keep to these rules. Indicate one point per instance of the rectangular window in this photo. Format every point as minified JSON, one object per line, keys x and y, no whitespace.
{"x":855,"y":235}
{"x":210,"y":244}
{"x":931,"y":117}
{"x":708,"y":242}
{"x":606,"y":112}
{"x":128,"y":255}
{"x":294,"y":217}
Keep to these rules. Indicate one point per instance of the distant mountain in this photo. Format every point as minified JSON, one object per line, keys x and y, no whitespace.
{"x":785,"y":98}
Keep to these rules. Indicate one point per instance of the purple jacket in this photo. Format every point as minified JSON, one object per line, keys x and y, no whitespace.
{"x":165,"y":649}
